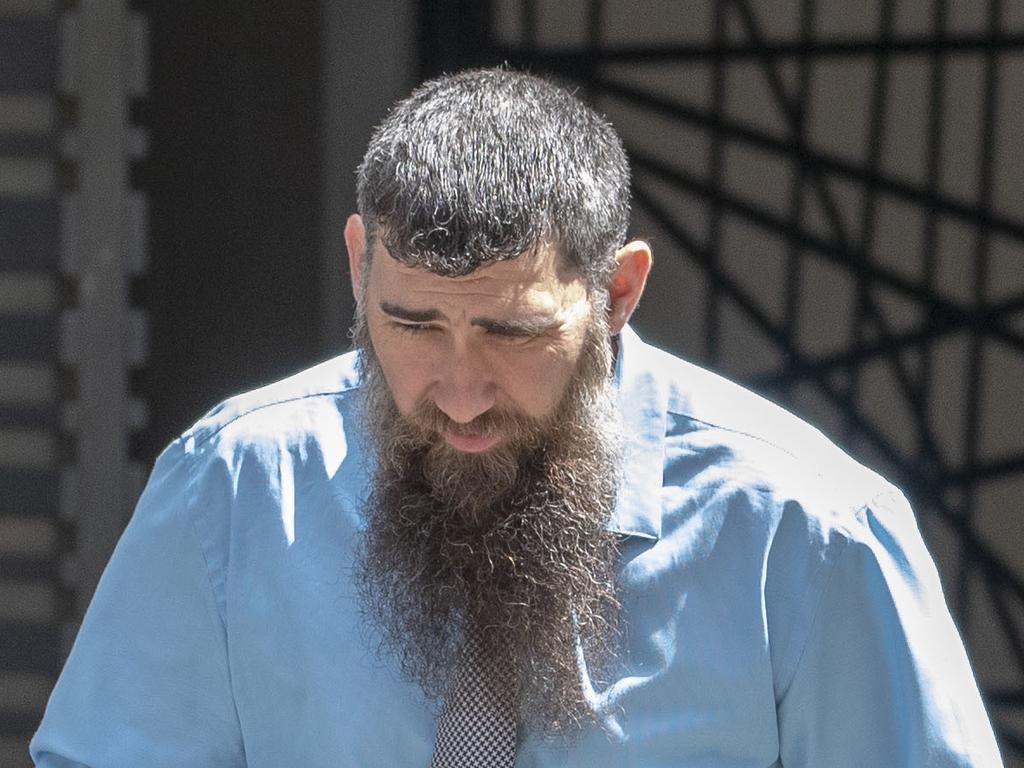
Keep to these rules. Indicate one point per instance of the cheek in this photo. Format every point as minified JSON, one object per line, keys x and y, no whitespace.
{"x":403,"y":373}
{"x":536,"y":382}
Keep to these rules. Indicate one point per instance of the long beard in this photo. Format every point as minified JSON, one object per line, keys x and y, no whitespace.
{"x":512,"y":542}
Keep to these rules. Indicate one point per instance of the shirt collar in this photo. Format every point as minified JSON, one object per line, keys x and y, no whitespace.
{"x":642,"y":402}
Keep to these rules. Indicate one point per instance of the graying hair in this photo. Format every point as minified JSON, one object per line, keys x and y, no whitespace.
{"x":488,"y":164}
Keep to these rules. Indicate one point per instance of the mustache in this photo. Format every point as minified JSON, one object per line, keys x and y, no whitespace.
{"x":430,"y":422}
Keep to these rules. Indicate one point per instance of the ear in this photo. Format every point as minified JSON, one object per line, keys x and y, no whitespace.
{"x":355,"y":243}
{"x":627,"y":283}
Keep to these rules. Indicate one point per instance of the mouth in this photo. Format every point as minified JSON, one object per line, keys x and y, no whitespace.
{"x":471,"y":443}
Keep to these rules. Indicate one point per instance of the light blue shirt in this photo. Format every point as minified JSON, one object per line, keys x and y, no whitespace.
{"x":781,"y":607}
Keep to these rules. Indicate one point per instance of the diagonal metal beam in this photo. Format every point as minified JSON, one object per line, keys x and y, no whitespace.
{"x":982,"y":471}
{"x":918,"y":484}
{"x":830,"y":250}
{"x":867,"y":308}
{"x":716,"y":176}
{"x":938,"y":326}
{"x":826,"y":364}
{"x":1005,"y":698}
{"x":975,"y":370}
{"x":798,"y":197}
{"x":934,"y":141}
{"x":1008,"y":738}
{"x":795,"y":119}
{"x":704,"y":258}
{"x":864,"y":306}
{"x":922,"y":196}
{"x":1003,"y":610}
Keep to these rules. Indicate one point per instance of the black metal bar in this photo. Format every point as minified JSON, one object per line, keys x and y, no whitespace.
{"x":1008,"y":738}
{"x":771,"y":70}
{"x":842,"y":360}
{"x":28,"y":144}
{"x":866,"y":302}
{"x":29,"y":339}
{"x":28,"y":492}
{"x":830,"y":250}
{"x":1009,"y":625}
{"x":942,"y":324}
{"x":29,"y":232}
{"x":918,"y":485}
{"x":15,"y":725}
{"x":593,"y":41}
{"x":1004,"y":307}
{"x":595,"y":25}
{"x":839,"y":47}
{"x":876,"y":137}
{"x":528,"y":18}
{"x":975,"y":372}
{"x":989,"y":470}
{"x":985,"y":557}
{"x":1004,"y":698}
{"x":930,"y":237}
{"x":30,"y":647}
{"x":794,"y":256}
{"x":716,"y":168}
{"x":920,"y":196}
{"x":29,"y":417}
{"x":24,"y":568}
{"x":453,"y":35}
{"x":28,"y":50}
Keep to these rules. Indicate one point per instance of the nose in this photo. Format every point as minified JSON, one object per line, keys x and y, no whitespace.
{"x":465,"y":387}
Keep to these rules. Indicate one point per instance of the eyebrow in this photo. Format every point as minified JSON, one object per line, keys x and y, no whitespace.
{"x":515,"y":327}
{"x":412,"y":315}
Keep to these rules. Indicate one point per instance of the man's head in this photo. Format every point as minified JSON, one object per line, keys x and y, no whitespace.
{"x":500,"y":201}
{"x":490,"y":279}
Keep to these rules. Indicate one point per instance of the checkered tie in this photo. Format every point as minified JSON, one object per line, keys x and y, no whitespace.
{"x":477,"y":727}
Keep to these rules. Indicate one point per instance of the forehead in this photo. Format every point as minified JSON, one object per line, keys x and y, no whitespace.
{"x":533,"y":274}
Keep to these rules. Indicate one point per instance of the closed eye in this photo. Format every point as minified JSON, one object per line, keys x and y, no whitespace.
{"x":513,"y":333}
{"x":522,"y":330}
{"x":412,"y":328}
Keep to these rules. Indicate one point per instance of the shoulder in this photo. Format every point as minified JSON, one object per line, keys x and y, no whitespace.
{"x":249,"y":454}
{"x":762,"y":486}
{"x":823,"y":527}
{"x":287,"y":405}
{"x":741,"y":438}
{"x":242,"y":475}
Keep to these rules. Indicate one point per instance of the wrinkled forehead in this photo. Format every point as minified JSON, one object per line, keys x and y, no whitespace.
{"x":541,"y":268}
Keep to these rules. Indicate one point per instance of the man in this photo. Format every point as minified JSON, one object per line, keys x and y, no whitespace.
{"x":505,"y":523}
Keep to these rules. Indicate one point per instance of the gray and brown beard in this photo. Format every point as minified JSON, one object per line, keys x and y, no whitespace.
{"x":513,"y":541}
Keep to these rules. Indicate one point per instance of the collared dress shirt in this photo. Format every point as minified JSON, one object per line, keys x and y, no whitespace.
{"x":779,"y":604}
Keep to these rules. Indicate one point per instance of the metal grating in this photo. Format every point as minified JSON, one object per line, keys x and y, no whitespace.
{"x":33,"y":601}
{"x":835,"y":198}
{"x":71,"y":238}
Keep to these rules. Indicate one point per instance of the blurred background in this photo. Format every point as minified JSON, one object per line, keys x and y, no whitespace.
{"x":834,"y":192}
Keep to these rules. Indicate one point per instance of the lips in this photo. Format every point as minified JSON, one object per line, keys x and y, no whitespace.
{"x":471,"y":443}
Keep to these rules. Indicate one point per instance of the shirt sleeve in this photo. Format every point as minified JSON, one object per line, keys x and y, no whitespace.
{"x":883,"y":678}
{"x":147,"y":681}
